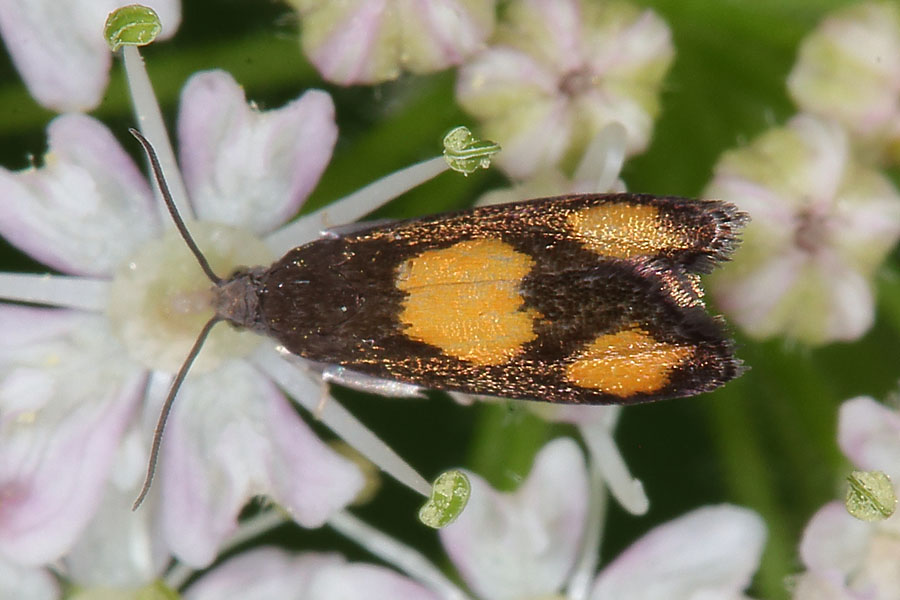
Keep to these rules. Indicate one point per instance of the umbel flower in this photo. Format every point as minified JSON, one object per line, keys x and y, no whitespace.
{"x":558,"y":71}
{"x":81,"y":383}
{"x":823,"y":218}
{"x":822,"y":223}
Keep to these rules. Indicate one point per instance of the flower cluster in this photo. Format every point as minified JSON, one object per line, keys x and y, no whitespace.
{"x":525,"y":544}
{"x":823,"y":216}
{"x":570,"y":88}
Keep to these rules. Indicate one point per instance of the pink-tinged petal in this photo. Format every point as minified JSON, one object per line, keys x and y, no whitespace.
{"x":869,"y":435}
{"x":232,"y":436}
{"x":360,"y":580}
{"x":818,"y":177}
{"x":766,"y":207}
{"x":263,"y":574}
{"x":541,"y":143}
{"x":247,"y":167}
{"x":267,"y":573}
{"x":59,"y":48}
{"x":501,"y":79}
{"x":849,"y":68}
{"x":850,"y":308}
{"x":866,"y":222}
{"x":121,"y":548}
{"x":27,"y":583}
{"x":86,"y":209}
{"x":820,"y":586}
{"x":834,"y":541}
{"x":370,"y":41}
{"x":437,"y":34}
{"x":596,"y":108}
{"x":628,"y":42}
{"x":753,"y":298}
{"x":523,"y":545}
{"x":548,"y":30}
{"x":711,"y":552}
{"x":67,"y":392}
{"x":341,"y":40}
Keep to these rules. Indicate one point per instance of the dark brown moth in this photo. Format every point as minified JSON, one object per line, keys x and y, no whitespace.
{"x":581,"y":299}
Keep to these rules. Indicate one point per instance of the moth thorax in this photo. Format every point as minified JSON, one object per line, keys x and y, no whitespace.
{"x":237,"y":300}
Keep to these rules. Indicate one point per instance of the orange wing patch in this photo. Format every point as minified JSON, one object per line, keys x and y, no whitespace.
{"x":465,"y":300}
{"x":623,"y":230}
{"x":625,"y":363}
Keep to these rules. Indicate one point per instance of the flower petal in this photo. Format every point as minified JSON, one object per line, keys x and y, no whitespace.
{"x":849,"y":68}
{"x":369,"y":41}
{"x":121,"y":548}
{"x":834,"y":541}
{"x":27,"y":583}
{"x":67,"y":392}
{"x":550,"y":31}
{"x":709,"y":552}
{"x":261,"y":574}
{"x":59,"y":49}
{"x":246,"y":167}
{"x":232,"y":436}
{"x":523,"y":544}
{"x":86,"y":209}
{"x":820,"y":586}
{"x":869,"y":435}
{"x":359,"y":580}
{"x":266,"y":573}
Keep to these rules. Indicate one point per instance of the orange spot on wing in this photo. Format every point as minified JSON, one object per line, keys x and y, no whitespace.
{"x":465,"y":300}
{"x":621,"y":230}
{"x":625,"y":363}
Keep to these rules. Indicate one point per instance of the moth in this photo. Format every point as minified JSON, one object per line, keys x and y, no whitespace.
{"x":579,"y":299}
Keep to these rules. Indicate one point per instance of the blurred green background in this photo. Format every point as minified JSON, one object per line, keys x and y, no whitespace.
{"x":766,"y":441}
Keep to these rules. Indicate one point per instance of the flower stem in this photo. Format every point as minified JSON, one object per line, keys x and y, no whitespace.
{"x":358,"y":204}
{"x":151,"y":124}
{"x":306,"y":391}
{"x":606,"y":458}
{"x":585,"y":569}
{"x":55,"y":290}
{"x":248,"y":529}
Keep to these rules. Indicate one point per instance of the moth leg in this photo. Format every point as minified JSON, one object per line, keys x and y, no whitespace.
{"x":339,"y":231}
{"x":323,"y":400}
{"x":368,"y":383}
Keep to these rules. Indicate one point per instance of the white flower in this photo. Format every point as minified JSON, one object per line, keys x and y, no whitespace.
{"x":558,"y":72}
{"x":59,"y":48}
{"x":821,"y":224}
{"x":73,"y":382}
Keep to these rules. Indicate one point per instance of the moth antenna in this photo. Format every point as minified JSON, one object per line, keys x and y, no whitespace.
{"x":204,"y":333}
{"x":167,"y":408}
{"x":170,"y":204}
